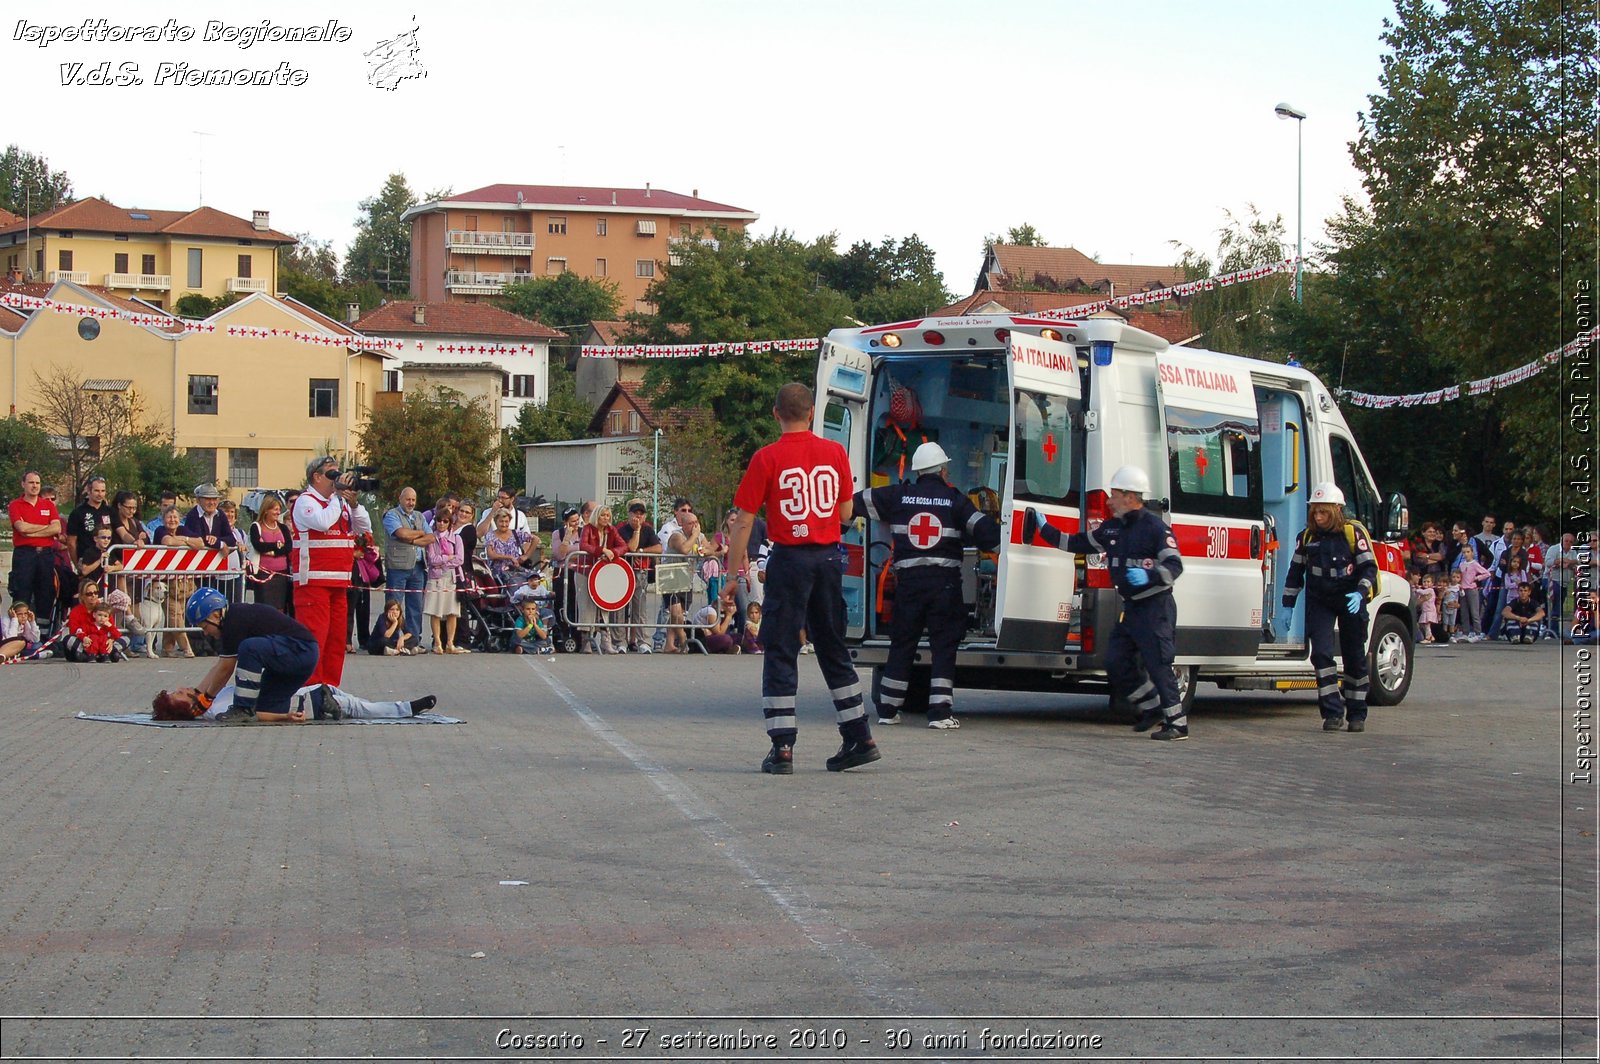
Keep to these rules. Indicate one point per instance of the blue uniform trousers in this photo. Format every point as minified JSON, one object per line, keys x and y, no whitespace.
{"x":1139,"y":656}
{"x":803,"y":590}
{"x":271,"y":668}
{"x":924,"y":599}
{"x":1338,"y":694}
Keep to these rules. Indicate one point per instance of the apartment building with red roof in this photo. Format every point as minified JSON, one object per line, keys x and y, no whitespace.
{"x":1016,"y":267}
{"x":468,"y":247}
{"x":157,"y":256}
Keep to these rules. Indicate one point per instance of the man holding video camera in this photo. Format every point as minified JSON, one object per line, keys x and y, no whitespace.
{"x":323,"y":553}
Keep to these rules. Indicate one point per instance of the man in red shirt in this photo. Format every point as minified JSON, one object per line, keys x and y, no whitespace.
{"x":804,"y":482}
{"x":35,"y":524}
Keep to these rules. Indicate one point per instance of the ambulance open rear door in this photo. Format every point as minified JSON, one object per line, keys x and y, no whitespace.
{"x":1044,"y":470}
{"x":844,"y":380}
{"x":1213,"y":443}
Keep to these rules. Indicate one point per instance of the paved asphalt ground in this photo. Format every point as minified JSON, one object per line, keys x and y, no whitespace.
{"x":595,"y":852}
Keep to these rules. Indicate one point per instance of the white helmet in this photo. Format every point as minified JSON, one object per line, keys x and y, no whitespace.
{"x":929,"y":456}
{"x":1327,"y":491}
{"x":1131,"y":478}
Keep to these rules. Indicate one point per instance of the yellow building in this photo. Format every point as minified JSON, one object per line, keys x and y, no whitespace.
{"x":155,"y":256}
{"x":258,"y":389}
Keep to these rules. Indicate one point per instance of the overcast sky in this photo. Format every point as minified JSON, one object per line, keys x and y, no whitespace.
{"x":1114,"y":128}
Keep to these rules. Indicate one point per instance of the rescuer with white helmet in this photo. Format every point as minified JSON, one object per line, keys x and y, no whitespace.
{"x":927,"y":521}
{"x":1142,"y":555}
{"x":1335,"y":564}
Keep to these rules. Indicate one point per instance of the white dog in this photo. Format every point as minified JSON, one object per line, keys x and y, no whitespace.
{"x":152,"y":613}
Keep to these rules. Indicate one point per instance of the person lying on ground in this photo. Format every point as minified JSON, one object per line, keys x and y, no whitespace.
{"x":312,"y":702}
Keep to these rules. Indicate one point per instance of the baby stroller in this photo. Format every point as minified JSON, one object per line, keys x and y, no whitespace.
{"x":486,"y":611}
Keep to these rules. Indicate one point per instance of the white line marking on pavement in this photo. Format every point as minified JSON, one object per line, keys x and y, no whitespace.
{"x":873,"y":979}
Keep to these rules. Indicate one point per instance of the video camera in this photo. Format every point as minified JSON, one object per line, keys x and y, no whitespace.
{"x":366,"y":480}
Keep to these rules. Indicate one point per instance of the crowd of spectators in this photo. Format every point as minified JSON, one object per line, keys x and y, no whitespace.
{"x":1504,"y":581}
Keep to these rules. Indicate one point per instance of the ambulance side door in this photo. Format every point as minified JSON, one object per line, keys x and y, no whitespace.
{"x":1213,"y":442}
{"x":844,"y":381}
{"x":1044,"y":470}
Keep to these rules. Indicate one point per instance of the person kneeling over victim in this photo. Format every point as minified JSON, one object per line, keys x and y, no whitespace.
{"x":267,"y":654}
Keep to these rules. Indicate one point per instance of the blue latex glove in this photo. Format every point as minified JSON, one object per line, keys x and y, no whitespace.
{"x":1138,"y":578}
{"x":1352,"y":602}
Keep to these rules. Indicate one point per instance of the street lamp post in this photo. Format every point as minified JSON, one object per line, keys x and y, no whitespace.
{"x":1284,"y":110}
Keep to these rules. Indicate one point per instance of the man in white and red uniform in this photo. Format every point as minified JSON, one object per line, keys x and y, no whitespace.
{"x":804,"y":482}
{"x":320,"y":560}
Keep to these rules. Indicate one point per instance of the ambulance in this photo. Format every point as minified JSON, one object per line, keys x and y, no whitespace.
{"x":1038,"y":413}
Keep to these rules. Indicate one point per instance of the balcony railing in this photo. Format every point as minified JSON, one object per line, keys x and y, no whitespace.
{"x":159,"y":282}
{"x":247,"y":284}
{"x":470,"y":283}
{"x":470,"y":242}
{"x":75,"y":276}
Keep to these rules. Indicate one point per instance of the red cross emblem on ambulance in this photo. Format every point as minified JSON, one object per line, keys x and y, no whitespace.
{"x":924,"y":531}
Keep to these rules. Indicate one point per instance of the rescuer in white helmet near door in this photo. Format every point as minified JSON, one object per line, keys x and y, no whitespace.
{"x":928,"y":520}
{"x":1142,"y":555}
{"x":1334,"y":562}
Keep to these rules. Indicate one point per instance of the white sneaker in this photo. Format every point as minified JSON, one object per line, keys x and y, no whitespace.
{"x":808,"y":649}
{"x":890,"y":720}
{"x":945,"y":724}
{"x":641,"y":648}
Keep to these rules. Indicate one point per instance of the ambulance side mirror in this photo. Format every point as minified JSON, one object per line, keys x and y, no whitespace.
{"x":1396,"y":518}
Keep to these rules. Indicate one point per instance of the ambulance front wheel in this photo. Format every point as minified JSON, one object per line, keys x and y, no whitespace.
{"x":916,"y":692}
{"x":1389,"y":664}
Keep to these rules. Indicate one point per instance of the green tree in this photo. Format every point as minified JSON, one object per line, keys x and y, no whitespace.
{"x":1022,"y":236}
{"x":735,"y":287}
{"x":434,"y":442}
{"x":562,"y":417}
{"x":28,"y":185}
{"x":693,"y":463}
{"x":195,"y":305}
{"x":310,"y":257}
{"x":90,"y":427}
{"x":566,"y":302}
{"x":1240,"y":319}
{"x":1477,"y":157}
{"x":316,"y":292}
{"x":381,"y":250}
{"x":149,"y":468}
{"x":25,"y":445}
{"x":891,"y":281}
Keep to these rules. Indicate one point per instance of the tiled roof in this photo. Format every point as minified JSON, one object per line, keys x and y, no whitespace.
{"x":100,"y":216}
{"x":44,"y":290}
{"x":1173,"y":324}
{"x":1013,"y":264}
{"x":6,"y":217}
{"x":453,"y":319}
{"x":631,"y":393}
{"x":107,"y":384}
{"x":580,"y":197}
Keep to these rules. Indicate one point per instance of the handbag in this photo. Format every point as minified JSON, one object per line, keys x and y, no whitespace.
{"x":368,"y":569}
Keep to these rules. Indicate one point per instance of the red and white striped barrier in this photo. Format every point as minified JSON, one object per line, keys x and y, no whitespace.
{"x":166,"y":561}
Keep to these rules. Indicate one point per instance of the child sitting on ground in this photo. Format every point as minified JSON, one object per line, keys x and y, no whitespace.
{"x":102,"y":641}
{"x":19,"y":633}
{"x":532,"y":631}
{"x":711,"y":628}
{"x":389,"y":637}
{"x":750,"y":643}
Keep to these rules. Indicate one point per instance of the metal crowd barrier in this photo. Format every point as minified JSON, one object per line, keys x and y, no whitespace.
{"x":668,"y":574}
{"x":159,"y":580}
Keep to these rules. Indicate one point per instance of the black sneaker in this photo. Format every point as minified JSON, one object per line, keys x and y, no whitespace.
{"x":326,"y":706}
{"x":1172,"y":732}
{"x":236,"y":715}
{"x":1358,"y":725}
{"x":1148,"y":720}
{"x":779,"y":761}
{"x":423,"y":705}
{"x":854,"y":755}
{"x":1332,"y":723}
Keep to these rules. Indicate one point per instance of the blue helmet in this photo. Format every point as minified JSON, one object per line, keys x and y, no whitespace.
{"x":202,"y":604}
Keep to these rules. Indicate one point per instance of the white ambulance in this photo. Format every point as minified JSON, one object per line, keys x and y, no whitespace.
{"x":1034,"y":412}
